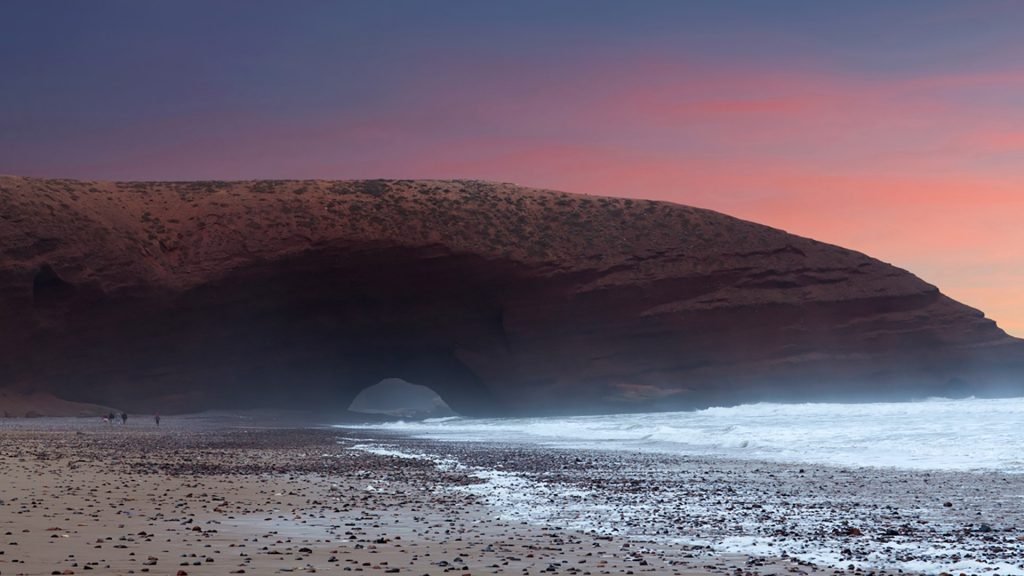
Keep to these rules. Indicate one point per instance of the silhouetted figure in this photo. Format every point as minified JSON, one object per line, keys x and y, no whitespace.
{"x":156,"y":418}
{"x":124,"y":417}
{"x":110,"y":418}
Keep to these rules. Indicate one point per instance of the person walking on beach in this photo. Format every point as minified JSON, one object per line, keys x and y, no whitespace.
{"x":124,"y":418}
{"x":156,"y":418}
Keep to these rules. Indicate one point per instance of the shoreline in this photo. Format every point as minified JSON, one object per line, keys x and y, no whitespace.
{"x":836,"y":518}
{"x":209,"y":495}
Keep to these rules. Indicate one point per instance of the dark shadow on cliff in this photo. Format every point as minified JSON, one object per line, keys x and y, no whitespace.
{"x":491,"y":337}
{"x":311,"y":330}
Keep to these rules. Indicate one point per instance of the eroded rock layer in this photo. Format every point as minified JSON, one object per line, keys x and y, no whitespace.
{"x":194,"y":295}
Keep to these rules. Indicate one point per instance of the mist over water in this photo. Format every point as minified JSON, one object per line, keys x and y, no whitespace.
{"x":937,"y":434}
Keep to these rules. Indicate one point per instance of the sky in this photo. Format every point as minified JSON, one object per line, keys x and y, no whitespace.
{"x":892,"y":128}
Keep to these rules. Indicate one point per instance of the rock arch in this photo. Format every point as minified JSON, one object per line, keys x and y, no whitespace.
{"x":195,"y":295}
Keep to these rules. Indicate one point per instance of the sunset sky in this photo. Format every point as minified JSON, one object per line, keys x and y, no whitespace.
{"x":892,"y":128}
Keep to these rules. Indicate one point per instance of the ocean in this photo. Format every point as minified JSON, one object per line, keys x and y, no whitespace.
{"x":937,"y":434}
{"x":929,"y":486}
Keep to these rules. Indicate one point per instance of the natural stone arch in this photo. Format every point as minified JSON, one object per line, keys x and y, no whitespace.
{"x":191,"y":296}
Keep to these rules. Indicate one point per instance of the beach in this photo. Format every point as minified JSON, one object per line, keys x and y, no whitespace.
{"x":226,"y":495}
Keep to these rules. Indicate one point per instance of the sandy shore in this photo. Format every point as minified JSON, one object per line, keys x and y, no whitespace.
{"x":224,"y":496}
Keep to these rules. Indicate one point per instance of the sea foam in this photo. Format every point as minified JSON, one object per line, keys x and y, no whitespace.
{"x":937,"y":434}
{"x":808,"y":515}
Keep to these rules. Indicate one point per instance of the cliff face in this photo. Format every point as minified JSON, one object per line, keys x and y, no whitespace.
{"x":185,"y":296}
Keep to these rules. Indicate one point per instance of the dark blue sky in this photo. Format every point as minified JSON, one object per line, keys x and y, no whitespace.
{"x":100,"y":71}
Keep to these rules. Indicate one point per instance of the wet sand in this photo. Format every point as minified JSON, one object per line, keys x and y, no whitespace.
{"x":225,"y":496}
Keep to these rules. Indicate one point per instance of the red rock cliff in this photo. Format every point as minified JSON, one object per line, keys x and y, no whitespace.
{"x":192,"y":295}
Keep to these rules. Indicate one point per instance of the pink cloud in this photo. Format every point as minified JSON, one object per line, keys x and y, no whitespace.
{"x":996,"y":141}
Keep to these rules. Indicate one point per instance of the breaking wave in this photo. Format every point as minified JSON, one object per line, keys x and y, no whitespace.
{"x":937,"y":434}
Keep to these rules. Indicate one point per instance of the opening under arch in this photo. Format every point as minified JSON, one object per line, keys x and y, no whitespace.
{"x":401,"y":399}
{"x":49,"y":289}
